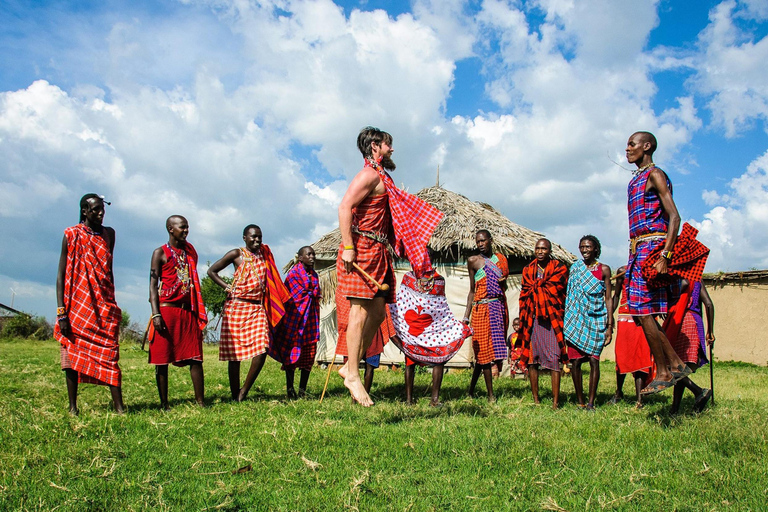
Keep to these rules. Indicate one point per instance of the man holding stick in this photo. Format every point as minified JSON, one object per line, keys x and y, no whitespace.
{"x":374,"y":216}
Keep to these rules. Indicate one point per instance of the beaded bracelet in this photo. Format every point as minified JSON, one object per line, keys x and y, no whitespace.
{"x":61,"y":311}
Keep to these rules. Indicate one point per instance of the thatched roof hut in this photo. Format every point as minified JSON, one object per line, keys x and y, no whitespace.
{"x":454,"y":237}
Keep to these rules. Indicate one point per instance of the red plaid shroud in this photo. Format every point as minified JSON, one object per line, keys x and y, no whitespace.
{"x":94,"y":318}
{"x":545,"y":299}
{"x":413,"y":220}
{"x":296,"y":337}
{"x":688,"y":260}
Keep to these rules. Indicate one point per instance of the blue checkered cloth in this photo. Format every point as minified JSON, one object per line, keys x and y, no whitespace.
{"x":585,"y":317}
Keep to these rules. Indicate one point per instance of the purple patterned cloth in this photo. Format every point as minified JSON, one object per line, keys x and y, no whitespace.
{"x":646,"y":216}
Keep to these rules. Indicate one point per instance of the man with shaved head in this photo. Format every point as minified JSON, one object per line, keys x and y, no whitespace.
{"x":542,"y":307}
{"x":178,"y":315}
{"x":653,"y":222}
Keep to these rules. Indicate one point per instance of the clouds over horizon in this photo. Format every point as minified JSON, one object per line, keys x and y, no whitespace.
{"x":231,"y":113}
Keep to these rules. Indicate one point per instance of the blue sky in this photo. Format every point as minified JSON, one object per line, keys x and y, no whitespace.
{"x":232,"y":113}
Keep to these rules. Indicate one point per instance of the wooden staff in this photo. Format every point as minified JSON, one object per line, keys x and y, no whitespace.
{"x":384,"y":287}
{"x":327,"y":377}
{"x":146,"y":332}
{"x":712,"y":374}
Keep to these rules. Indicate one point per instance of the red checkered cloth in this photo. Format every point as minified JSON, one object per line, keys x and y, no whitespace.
{"x":244,"y":325}
{"x":89,"y":297}
{"x":372,"y":216}
{"x":687,"y":345}
{"x":296,"y":337}
{"x":688,"y":260}
{"x":543,"y":298}
{"x":413,"y":220}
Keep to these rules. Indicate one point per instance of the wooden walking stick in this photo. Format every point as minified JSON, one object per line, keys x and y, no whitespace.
{"x":146,"y":331}
{"x":327,"y":377}
{"x":384,"y":287}
{"x":712,"y":374}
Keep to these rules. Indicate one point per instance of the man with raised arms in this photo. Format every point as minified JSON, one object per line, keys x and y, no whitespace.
{"x":653,"y":221}
{"x":178,"y":314}
{"x":88,"y":319}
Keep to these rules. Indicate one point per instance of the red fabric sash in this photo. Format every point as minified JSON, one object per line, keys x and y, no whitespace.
{"x":277,"y":293}
{"x":413,"y":221}
{"x":688,"y":260}
{"x":544,"y":298}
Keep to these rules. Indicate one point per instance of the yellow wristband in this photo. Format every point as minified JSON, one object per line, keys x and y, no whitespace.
{"x":349,"y":247}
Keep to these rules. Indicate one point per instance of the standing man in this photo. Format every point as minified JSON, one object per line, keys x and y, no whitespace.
{"x":300,"y":327}
{"x":542,"y":306}
{"x":588,"y":321}
{"x":178,"y":314}
{"x":249,"y":313}
{"x":691,"y":342}
{"x":87,"y":316}
{"x":487,"y":309}
{"x":653,"y":222}
{"x":373,"y":215}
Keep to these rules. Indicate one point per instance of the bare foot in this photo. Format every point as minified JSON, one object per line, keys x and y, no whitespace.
{"x":241,"y":395}
{"x":356,"y":389}
{"x":74,"y":411}
{"x":120,"y":410}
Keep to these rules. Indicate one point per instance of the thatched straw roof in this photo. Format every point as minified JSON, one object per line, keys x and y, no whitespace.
{"x":454,"y":236}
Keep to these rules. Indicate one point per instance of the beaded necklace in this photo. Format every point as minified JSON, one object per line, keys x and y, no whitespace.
{"x":639,"y":170}
{"x":182,"y":267}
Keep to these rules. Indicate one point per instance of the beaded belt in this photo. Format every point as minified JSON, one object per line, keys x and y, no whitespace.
{"x":644,"y":238}
{"x":486,"y":300}
{"x":249,"y":301}
{"x":373,"y":235}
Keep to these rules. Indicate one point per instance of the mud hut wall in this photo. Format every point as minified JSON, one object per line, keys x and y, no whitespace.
{"x":457,"y":287}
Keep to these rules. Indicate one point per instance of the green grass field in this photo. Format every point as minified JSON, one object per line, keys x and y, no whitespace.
{"x":272,"y":454}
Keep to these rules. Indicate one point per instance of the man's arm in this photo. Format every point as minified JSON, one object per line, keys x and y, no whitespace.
{"x":60,"y":277}
{"x":111,"y":241}
{"x":361,"y":187}
{"x":658,"y":181}
{"x":471,"y":269}
{"x":608,"y":304}
{"x":710,"y":308}
{"x":155,"y":271}
{"x":229,"y":258}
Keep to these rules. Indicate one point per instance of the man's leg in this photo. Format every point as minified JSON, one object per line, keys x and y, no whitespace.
{"x":303,"y":380}
{"x":290,"y":373}
{"x":257,"y":363}
{"x":533,"y":375}
{"x":233,"y":369}
{"x":368,"y":378}
{"x":619,"y":395}
{"x":488,"y":375}
{"x":639,"y":380}
{"x":677,"y":397}
{"x":161,"y":377}
{"x":663,"y":354}
{"x":555,"y":388}
{"x":473,"y":381}
{"x":410,"y":371}
{"x":117,"y":398}
{"x":365,"y":317}
{"x":578,"y":383}
{"x":72,"y":380}
{"x":437,"y":383}
{"x":594,"y":380}
{"x":198,"y":383}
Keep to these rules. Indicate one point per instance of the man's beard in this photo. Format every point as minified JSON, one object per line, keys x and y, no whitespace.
{"x":387,"y":163}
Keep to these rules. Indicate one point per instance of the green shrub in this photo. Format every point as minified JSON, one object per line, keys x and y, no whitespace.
{"x":26,"y":326}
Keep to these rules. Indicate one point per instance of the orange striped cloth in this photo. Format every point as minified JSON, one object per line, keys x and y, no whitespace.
{"x":92,"y":347}
{"x":244,"y":324}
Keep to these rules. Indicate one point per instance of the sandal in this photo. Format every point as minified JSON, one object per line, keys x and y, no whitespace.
{"x":701,"y":401}
{"x":681,"y":373}
{"x":657,"y":386}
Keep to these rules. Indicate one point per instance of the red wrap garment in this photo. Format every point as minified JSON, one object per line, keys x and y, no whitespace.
{"x":92,"y":348}
{"x":179,"y":285}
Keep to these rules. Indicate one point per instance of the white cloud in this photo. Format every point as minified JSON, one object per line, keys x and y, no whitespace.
{"x":731,"y":69}
{"x":736,"y":230}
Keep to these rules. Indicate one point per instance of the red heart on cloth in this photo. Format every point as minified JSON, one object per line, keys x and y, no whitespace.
{"x":417,"y":321}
